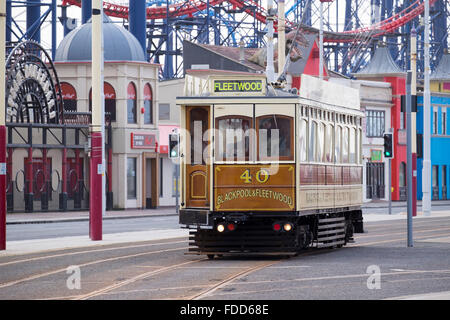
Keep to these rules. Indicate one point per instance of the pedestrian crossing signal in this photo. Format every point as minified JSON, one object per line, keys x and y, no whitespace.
{"x":388,"y":145}
{"x":174,"y":140}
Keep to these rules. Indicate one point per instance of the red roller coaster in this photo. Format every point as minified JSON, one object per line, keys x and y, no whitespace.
{"x":189,"y":8}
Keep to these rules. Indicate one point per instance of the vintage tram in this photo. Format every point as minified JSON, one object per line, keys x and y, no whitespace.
{"x":268,"y":171}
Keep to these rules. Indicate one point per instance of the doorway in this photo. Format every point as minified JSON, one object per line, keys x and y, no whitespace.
{"x":197,"y":171}
{"x":375,"y":180}
{"x":151,"y":188}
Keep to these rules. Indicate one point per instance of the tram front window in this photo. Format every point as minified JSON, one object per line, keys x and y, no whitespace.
{"x":233,"y":141}
{"x":274,"y":138}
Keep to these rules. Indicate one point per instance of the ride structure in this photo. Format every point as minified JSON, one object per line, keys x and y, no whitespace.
{"x":348,"y":46}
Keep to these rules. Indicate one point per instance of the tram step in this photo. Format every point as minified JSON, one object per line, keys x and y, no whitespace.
{"x":328,"y":226}
{"x":327,"y":220}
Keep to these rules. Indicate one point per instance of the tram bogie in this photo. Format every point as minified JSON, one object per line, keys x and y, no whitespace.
{"x":267,"y":171}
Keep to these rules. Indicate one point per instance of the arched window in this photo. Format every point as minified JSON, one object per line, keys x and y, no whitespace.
{"x":69,"y":96}
{"x":131,"y":103}
{"x":110,"y":100}
{"x":148,"y":105}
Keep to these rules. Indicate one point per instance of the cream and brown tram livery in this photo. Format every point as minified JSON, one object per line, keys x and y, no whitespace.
{"x":267,"y":171}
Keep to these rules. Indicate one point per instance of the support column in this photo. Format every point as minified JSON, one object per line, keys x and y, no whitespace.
{"x":63,"y":196}
{"x":33,"y":20}
{"x":9,"y":170}
{"x":44,"y":193}
{"x":96,"y":171}
{"x":138,"y":20}
{"x":29,"y":182}
{"x":109,"y":194}
{"x":2,"y":130}
{"x":86,"y":10}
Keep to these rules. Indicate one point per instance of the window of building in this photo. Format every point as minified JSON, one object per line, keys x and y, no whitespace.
{"x":164,"y":111}
{"x":402,"y":175}
{"x":233,"y":141}
{"x":69,"y":96}
{"x":131,"y":103}
{"x":444,"y":121}
{"x":435,"y":121}
{"x":110,"y":100}
{"x":435,"y":176}
{"x":131,"y":178}
{"x":375,"y":123}
{"x":148,"y":106}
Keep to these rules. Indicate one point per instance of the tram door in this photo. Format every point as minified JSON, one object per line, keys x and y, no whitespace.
{"x":197,"y":171}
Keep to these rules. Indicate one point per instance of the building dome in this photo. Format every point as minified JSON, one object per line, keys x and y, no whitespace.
{"x":119,"y":44}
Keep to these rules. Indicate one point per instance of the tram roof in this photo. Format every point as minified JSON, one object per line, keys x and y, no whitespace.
{"x":204,"y":89}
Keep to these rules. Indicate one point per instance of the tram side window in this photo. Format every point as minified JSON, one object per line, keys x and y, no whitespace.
{"x":329,"y":144}
{"x":337,"y":144}
{"x":302,"y":139}
{"x":352,"y":146}
{"x":312,"y":141}
{"x":275,"y":138}
{"x":321,"y":143}
{"x":345,"y":145}
{"x":233,"y":141}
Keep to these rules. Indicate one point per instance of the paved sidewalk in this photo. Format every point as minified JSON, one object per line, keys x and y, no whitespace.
{"x":47,"y":217}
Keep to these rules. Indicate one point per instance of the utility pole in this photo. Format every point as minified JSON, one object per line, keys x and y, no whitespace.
{"x":281,"y":37}
{"x":270,"y":71}
{"x":96,"y":199}
{"x":2,"y":126}
{"x":409,"y":186}
{"x":426,"y":171}
{"x":321,"y":42}
{"x":413,"y":118}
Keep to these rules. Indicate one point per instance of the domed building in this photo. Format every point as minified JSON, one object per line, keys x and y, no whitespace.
{"x":130,"y":90}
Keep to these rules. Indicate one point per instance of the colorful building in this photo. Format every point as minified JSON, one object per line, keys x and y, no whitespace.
{"x":440,"y":133}
{"x":382,"y":68}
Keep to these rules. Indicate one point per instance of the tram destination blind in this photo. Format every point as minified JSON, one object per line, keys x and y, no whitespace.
{"x":238,"y":86}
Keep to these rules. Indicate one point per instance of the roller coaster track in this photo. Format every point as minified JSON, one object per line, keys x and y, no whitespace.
{"x":189,"y":8}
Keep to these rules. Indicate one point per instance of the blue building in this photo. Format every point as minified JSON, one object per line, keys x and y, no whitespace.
{"x":440,"y":133}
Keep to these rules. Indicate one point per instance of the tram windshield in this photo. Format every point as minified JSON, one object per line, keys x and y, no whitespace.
{"x":274,"y":138}
{"x":271,"y":138}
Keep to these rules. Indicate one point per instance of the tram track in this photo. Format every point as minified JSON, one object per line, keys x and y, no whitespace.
{"x":89,"y":251}
{"x":61,"y":270}
{"x":208,"y":289}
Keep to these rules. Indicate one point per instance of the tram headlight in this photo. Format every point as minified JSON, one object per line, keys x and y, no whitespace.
{"x":287,"y":227}
{"x":220,"y":228}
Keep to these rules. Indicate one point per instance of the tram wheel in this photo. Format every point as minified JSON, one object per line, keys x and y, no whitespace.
{"x":210,"y":256}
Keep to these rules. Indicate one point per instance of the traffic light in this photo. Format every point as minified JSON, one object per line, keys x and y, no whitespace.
{"x":174,"y":149}
{"x":388,"y":145}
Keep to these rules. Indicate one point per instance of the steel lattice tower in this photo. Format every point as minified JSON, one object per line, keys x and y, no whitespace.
{"x":226,"y":23}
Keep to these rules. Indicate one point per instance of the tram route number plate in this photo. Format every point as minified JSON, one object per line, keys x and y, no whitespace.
{"x":2,"y":168}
